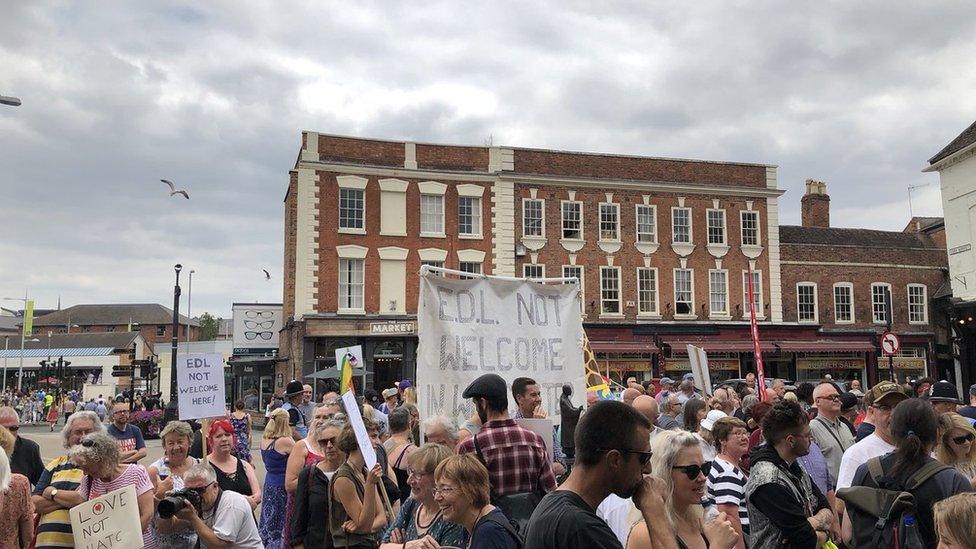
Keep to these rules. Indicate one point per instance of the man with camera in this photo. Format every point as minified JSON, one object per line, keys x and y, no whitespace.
{"x":220,"y":518}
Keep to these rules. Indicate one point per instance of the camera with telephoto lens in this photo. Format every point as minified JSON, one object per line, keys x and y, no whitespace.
{"x":173,"y":503}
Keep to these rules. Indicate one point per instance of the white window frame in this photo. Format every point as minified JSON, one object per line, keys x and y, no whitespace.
{"x":874,"y":316}
{"x":582,"y":284}
{"x":924,"y":304}
{"x":725,"y":280}
{"x":342,"y":305}
{"x":562,"y":219}
{"x":353,"y":230}
{"x":757,"y":289}
{"x":724,"y":227}
{"x":480,"y":270}
{"x":619,"y":290}
{"x":437,"y":234}
{"x":691,"y":313}
{"x":742,"y":227}
{"x":433,"y":263}
{"x":816,"y":304}
{"x":850,"y":296}
{"x":637,"y":224}
{"x":527,"y":266}
{"x":542,"y":219}
{"x":691,"y":224}
{"x":476,"y":211}
{"x":656,"y":311}
{"x":615,"y":208}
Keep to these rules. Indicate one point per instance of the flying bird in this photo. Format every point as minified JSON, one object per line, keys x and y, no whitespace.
{"x":267,"y":275}
{"x":173,"y":190}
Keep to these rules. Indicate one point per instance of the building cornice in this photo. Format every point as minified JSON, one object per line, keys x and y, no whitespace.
{"x":875,"y":265}
{"x":954,"y":158}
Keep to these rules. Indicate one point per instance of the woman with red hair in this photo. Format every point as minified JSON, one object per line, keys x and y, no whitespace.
{"x":233,"y":474}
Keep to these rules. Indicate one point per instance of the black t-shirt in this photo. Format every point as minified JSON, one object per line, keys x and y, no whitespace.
{"x":564,"y":521}
{"x":489,"y":534}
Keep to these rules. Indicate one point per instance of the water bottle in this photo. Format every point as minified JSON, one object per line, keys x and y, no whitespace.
{"x":911,"y":539}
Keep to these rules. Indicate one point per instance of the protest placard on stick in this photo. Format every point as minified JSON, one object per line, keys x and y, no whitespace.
{"x":355,"y":418}
{"x":200,"y":386}
{"x":699,"y":368}
{"x":111,"y":520}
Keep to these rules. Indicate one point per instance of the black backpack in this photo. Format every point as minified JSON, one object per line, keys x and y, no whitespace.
{"x":878,"y":515}
{"x":516,"y":507}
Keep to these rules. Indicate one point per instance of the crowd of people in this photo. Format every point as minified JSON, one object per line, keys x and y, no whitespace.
{"x":662,"y":465}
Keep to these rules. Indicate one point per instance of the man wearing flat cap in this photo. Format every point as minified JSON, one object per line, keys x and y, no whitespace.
{"x":516,"y":457}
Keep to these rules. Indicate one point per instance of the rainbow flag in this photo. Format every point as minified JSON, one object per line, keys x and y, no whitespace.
{"x":345,"y":373}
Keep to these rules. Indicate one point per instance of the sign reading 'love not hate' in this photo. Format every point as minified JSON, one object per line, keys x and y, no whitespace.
{"x":110,"y":521}
{"x":513,"y":328}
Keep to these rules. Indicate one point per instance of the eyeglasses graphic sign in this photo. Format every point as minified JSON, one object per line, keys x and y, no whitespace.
{"x":256,"y":327}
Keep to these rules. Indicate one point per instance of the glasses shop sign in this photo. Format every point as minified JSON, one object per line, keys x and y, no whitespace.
{"x":256,"y":327}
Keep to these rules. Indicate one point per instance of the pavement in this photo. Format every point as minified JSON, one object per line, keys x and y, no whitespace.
{"x":52,"y":446}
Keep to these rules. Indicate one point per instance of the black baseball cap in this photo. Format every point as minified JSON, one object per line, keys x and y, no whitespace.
{"x":487,"y":386}
{"x":847,"y":401}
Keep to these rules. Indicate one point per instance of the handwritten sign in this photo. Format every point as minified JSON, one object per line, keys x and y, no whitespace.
{"x":513,"y":328}
{"x":108,"y":522}
{"x":358,"y":427}
{"x":200,"y":385}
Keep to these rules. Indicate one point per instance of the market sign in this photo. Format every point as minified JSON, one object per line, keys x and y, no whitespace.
{"x":829,"y":363}
{"x":391,"y":328}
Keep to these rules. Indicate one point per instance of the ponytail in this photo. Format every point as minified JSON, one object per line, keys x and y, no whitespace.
{"x":915,"y":428}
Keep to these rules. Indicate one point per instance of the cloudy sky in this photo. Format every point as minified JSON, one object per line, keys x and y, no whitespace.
{"x":213,"y":95}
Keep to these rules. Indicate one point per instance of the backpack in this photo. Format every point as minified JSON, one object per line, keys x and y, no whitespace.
{"x":516,"y":507}
{"x":878,"y":515}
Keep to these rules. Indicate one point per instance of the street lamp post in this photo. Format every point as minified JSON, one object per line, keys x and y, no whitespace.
{"x":20,"y":370}
{"x":172,"y":411}
{"x":6,"y":347}
{"x":189,"y":297}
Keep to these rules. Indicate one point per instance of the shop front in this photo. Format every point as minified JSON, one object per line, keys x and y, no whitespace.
{"x":909,"y":364}
{"x":619,"y":360}
{"x":842,"y":367}
{"x":721,"y":366}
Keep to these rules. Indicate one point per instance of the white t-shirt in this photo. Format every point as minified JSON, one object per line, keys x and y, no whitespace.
{"x":234,"y":521}
{"x":857,"y":455}
{"x":614,"y":511}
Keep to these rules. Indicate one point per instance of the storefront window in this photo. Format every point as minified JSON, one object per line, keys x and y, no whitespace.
{"x":841,"y":367}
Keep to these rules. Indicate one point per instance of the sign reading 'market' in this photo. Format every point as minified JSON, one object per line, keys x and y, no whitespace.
{"x":513,"y":328}
{"x":200,"y":385}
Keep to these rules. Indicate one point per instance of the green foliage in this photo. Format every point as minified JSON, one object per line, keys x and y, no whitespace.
{"x":209,"y":327}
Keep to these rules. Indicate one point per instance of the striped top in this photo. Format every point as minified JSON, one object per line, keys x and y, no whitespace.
{"x":727,"y":484}
{"x":54,"y":528}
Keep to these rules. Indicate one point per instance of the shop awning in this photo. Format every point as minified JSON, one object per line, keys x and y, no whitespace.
{"x":623,"y":347}
{"x":826,"y":346}
{"x":719,"y":346}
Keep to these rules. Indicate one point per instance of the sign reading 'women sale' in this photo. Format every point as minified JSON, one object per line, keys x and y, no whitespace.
{"x":512,"y":328}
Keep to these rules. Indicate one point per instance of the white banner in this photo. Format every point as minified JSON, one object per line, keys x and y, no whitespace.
{"x":200,"y":385}
{"x":111,"y":520}
{"x":513,"y":328}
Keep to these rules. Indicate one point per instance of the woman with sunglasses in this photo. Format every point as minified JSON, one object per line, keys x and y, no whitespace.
{"x":677,"y":461}
{"x":356,"y":514}
{"x":461,"y":490}
{"x":305,"y":453}
{"x":276,"y":445}
{"x":957,"y":444}
{"x":233,"y":473}
{"x":99,"y":457}
{"x":308,"y":530}
{"x":420,"y":523}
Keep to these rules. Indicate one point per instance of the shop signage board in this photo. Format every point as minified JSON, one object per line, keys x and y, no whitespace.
{"x":506,"y":326}
{"x":256,"y":327}
{"x":714,"y":364}
{"x":392,"y":328}
{"x":829,"y":363}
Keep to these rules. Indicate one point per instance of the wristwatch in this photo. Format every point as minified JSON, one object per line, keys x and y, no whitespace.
{"x":54,"y":492}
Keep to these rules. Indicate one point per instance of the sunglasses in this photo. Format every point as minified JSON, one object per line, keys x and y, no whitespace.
{"x":692,"y":471}
{"x":13,"y":428}
{"x":964,"y":439}
{"x":835,"y":397}
{"x":88,"y":443}
{"x":327,"y":441}
{"x":643,"y":457}
{"x":199,"y":491}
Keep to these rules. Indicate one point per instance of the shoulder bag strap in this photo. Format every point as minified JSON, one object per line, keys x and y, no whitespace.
{"x":875,"y":470}
{"x":831,"y":431}
{"x":477,"y":449}
{"x":926,"y":472}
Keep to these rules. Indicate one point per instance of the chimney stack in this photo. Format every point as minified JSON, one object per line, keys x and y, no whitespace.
{"x":815,"y":205}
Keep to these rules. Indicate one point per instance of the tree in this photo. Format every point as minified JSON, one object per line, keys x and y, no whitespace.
{"x":209,"y":327}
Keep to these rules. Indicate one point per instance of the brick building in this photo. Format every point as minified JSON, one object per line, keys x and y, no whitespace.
{"x":662,"y":247}
{"x":154,"y":322}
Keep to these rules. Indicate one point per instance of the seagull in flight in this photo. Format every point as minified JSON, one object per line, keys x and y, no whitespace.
{"x":173,"y":190}
{"x":267,"y":275}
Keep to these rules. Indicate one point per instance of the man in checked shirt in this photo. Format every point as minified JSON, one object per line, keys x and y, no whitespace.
{"x":516,"y":457}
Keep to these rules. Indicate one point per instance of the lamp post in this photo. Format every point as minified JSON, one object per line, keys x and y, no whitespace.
{"x":6,"y":346}
{"x":189,"y":297}
{"x":172,"y":411}
{"x":20,"y":373}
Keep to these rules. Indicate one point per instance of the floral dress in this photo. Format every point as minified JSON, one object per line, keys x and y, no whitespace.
{"x":242,"y":448}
